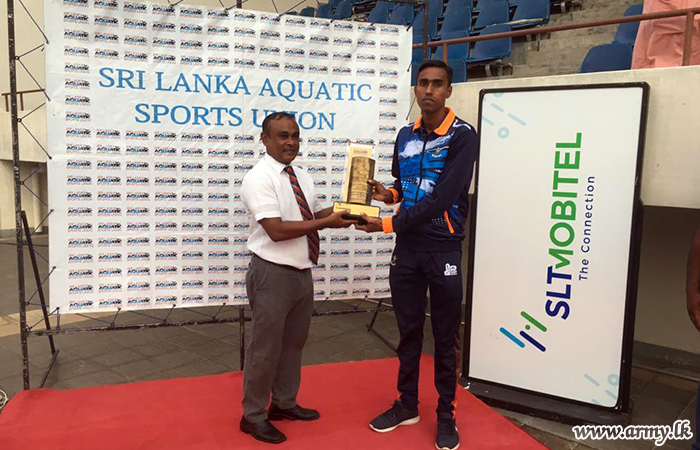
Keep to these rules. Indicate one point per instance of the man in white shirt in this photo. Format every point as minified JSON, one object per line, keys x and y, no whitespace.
{"x":285,"y":220}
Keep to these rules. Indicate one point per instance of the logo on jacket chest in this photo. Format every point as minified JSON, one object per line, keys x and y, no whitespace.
{"x":437,"y":151}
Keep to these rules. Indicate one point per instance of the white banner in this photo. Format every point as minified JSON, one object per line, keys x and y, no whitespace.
{"x":155,"y":118}
{"x":556,"y":190}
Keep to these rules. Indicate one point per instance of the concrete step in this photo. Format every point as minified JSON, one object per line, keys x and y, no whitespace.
{"x":564,"y":45}
{"x":528,"y":53}
{"x":594,"y":10}
{"x":617,"y":7}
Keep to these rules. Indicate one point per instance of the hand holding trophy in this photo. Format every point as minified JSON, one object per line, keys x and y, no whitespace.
{"x":379,"y":192}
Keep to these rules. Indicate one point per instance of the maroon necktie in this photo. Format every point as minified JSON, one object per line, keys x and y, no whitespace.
{"x":306,"y":214}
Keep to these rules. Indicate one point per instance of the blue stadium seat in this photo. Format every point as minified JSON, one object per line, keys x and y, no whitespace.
{"x":334,"y":4}
{"x":324,"y":11}
{"x":635,"y":10}
{"x":343,"y":11}
{"x":390,"y":5}
{"x":414,"y":73}
{"x":511,"y":3}
{"x":418,"y":26}
{"x":401,"y":15}
{"x":292,"y":13}
{"x":455,"y":5}
{"x":478,"y":5}
{"x":418,"y":54}
{"x":455,"y":51}
{"x":493,"y":13}
{"x":379,"y":14}
{"x":435,"y":7}
{"x":627,"y":32}
{"x":458,"y":19}
{"x":396,"y":20}
{"x":608,"y":57}
{"x":530,"y":13}
{"x":309,"y":11}
{"x":416,"y":61}
{"x":494,"y":48}
{"x":456,"y":55}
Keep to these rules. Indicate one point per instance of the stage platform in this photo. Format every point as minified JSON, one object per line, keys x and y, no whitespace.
{"x":202,"y":413}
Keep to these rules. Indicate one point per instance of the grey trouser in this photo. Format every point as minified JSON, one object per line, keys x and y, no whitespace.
{"x":281,"y":298}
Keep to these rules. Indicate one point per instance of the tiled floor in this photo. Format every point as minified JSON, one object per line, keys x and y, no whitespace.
{"x":135,"y":355}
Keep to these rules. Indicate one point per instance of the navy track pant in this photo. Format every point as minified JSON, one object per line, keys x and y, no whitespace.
{"x":411,"y":275}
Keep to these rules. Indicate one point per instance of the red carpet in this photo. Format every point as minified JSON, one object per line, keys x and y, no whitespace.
{"x":203,"y":413}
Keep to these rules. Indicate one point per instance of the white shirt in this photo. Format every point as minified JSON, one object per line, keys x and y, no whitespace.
{"x":267,"y":193}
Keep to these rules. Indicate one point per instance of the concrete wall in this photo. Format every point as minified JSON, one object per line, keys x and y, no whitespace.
{"x":672,"y":152}
{"x":30,"y":150}
{"x":36,"y":211}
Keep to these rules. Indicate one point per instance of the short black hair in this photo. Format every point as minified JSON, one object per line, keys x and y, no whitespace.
{"x":440,"y":65}
{"x":276,"y":116}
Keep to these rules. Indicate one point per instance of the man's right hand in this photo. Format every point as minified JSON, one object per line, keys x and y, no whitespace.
{"x":379,"y":192}
{"x":336,"y":220}
{"x":371,"y":225}
{"x":693,"y":303}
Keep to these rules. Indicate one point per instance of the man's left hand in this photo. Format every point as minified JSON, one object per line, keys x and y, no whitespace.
{"x":372,"y":224}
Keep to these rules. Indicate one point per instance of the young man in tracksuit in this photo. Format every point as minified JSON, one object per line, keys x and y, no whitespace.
{"x":433,"y":164}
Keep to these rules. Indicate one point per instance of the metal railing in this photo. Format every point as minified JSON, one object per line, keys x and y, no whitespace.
{"x":20,"y":95}
{"x":688,"y":13}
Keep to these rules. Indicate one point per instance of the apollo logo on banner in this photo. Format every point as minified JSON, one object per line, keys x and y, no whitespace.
{"x":164,"y":165}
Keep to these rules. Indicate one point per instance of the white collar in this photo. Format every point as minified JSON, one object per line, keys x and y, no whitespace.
{"x":278,"y":166}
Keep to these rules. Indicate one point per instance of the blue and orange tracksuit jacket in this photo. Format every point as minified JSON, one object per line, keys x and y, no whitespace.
{"x":433,"y":172}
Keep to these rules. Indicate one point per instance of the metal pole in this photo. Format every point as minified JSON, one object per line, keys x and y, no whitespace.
{"x":426,"y":24}
{"x":241,"y":322}
{"x":18,"y":189}
{"x":37,"y":278}
{"x":688,"y":42}
{"x":371,"y":329}
{"x":113,"y":327}
{"x":374,"y":316}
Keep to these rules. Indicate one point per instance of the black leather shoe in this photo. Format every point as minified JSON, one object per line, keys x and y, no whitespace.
{"x":263,"y":431}
{"x":294,"y":413}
